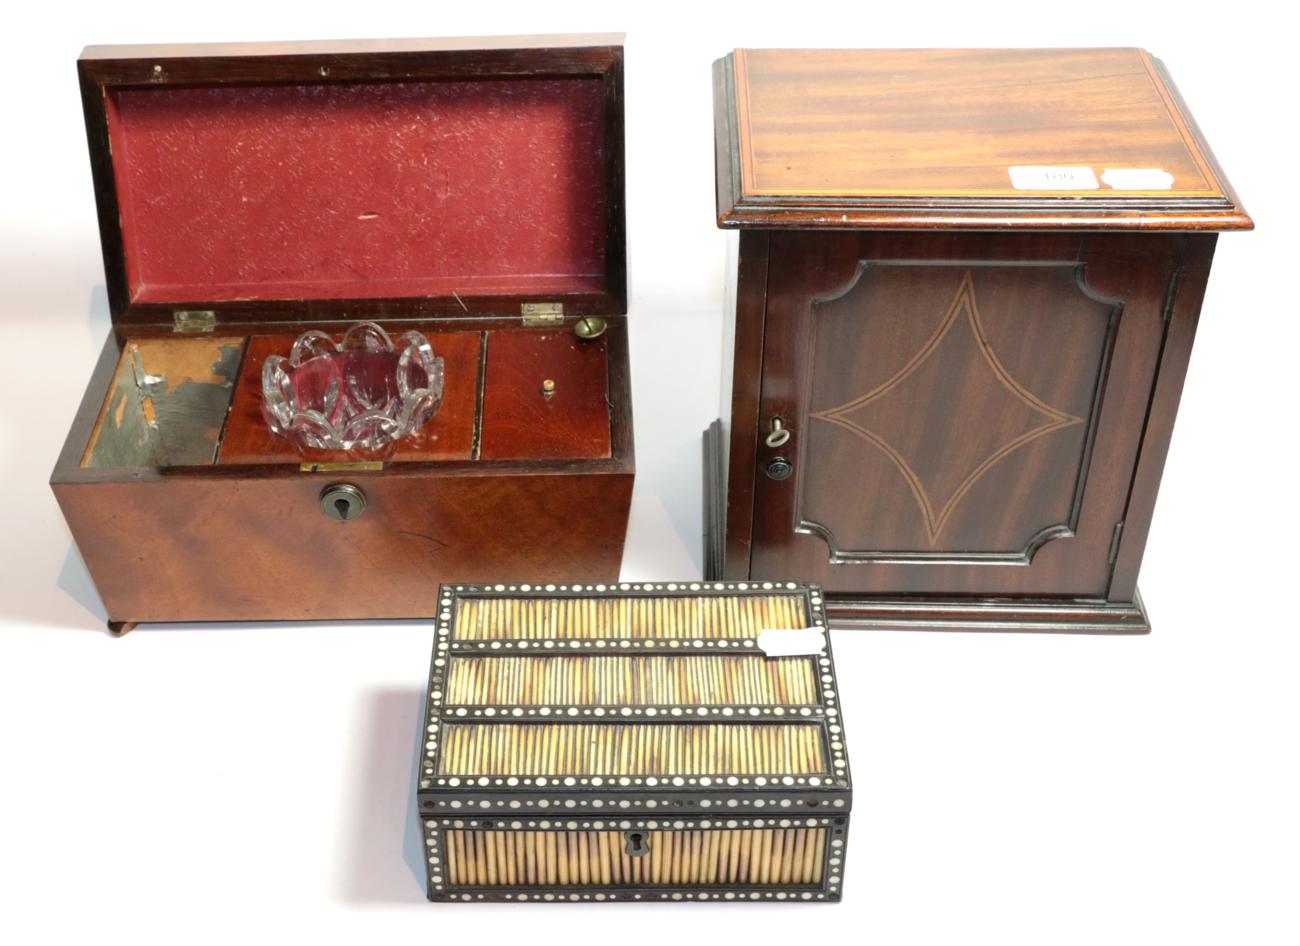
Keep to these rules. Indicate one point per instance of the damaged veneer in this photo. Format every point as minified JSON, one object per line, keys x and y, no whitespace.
{"x":167,"y":405}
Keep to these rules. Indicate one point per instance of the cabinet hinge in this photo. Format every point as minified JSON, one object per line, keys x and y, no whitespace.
{"x":542,"y":313}
{"x":1115,"y":535}
{"x":194,"y":320}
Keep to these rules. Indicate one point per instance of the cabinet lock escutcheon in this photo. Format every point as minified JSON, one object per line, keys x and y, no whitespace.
{"x":779,"y":468}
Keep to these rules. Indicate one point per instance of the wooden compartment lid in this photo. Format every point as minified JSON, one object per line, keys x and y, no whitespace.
{"x":962,"y":138}
{"x":386,"y":179}
{"x":633,"y":697}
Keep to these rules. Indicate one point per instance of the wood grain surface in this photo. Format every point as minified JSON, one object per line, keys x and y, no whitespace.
{"x":894,"y":137}
{"x":250,"y":543}
{"x":521,"y":421}
{"x":988,"y":442}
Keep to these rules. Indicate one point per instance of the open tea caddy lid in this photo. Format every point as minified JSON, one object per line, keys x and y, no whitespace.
{"x":290,"y":182}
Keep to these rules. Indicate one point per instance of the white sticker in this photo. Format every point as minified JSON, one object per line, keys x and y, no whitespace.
{"x":798,"y":642}
{"x":1051,"y":178}
{"x":1138,"y":179}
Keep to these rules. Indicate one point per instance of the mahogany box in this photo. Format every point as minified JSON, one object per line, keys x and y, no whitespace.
{"x":633,"y":742}
{"x":469,"y":189}
{"x":965,"y":292}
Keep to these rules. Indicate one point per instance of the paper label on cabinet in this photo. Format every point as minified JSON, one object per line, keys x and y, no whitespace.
{"x":1138,"y":179}
{"x":797,"y":642}
{"x":1043,"y":177}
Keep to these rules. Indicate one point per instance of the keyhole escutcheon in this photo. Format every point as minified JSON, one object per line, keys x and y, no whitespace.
{"x":342,"y":501}
{"x":637,"y":845}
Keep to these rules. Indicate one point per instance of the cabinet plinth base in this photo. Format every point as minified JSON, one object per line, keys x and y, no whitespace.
{"x":920,"y":612}
{"x":715,"y":502}
{"x":988,"y":614}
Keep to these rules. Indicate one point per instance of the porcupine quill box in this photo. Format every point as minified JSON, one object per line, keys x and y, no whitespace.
{"x":470,"y":190}
{"x":638,"y":742}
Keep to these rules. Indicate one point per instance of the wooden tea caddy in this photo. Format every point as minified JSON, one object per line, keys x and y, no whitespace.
{"x":966,"y":289}
{"x":471,"y":189}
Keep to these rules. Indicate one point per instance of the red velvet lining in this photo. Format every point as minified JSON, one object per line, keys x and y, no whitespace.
{"x":361,"y":190}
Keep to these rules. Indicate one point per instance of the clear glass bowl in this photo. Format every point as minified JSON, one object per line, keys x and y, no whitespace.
{"x":358,"y":394}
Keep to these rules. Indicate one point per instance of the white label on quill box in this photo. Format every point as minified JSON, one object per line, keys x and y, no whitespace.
{"x":1039,"y":177}
{"x":801,"y":642}
{"x":1137,"y":179}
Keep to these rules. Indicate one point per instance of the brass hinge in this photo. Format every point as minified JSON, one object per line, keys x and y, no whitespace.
{"x":542,"y":313}
{"x":194,"y":320}
{"x":1115,"y":535}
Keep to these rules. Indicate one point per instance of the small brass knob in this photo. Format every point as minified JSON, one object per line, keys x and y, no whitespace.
{"x":343,"y":502}
{"x":548,"y":389}
{"x":589,"y":327}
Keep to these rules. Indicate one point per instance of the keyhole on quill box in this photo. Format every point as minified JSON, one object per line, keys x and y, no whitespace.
{"x":344,"y":508}
{"x":637,"y":845}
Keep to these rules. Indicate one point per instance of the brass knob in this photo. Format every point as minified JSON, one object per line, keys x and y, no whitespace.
{"x":589,"y":327}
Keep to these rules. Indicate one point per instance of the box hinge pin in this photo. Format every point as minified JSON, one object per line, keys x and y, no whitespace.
{"x":542,"y":313}
{"x":194,"y":320}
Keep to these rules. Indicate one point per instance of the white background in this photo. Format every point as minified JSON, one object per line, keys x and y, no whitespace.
{"x":198,"y":784}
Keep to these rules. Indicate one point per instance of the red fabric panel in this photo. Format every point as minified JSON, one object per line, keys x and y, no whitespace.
{"x":361,"y":190}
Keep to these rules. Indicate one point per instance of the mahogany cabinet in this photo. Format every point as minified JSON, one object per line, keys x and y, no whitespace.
{"x":470,"y":189}
{"x":965,"y":292}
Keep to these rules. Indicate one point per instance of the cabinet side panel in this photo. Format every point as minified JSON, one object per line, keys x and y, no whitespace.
{"x":1188,"y":291}
{"x":746,"y":368}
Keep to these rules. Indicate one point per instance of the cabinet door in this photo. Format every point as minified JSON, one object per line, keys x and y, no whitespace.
{"x":965,"y":409}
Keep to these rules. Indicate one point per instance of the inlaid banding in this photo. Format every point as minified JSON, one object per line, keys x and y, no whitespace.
{"x":627,"y":618}
{"x":753,"y":857}
{"x":703,"y":679}
{"x":563,"y":749}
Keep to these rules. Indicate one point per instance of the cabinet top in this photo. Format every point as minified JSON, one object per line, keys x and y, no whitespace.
{"x":962,"y":139}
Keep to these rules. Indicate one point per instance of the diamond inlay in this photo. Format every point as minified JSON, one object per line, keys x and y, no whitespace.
{"x":995,"y":417}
